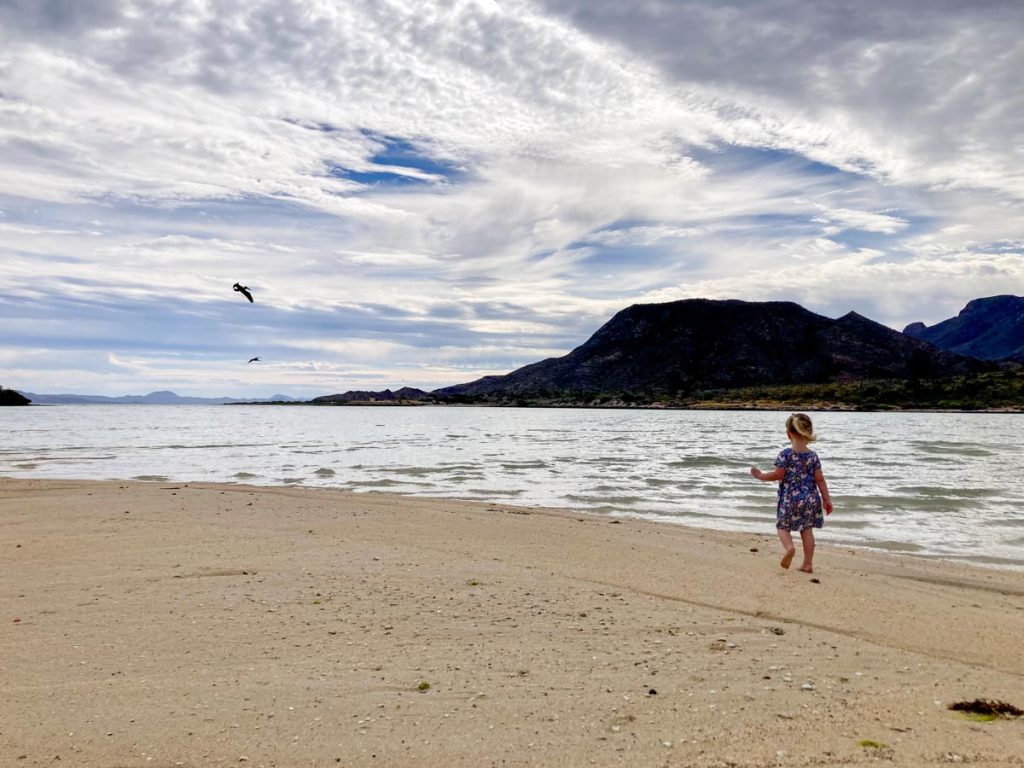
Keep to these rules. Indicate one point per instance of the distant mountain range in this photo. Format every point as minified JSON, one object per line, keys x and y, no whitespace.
{"x":652,"y":351}
{"x":696,"y":349}
{"x":163,"y":397}
{"x":989,"y":329}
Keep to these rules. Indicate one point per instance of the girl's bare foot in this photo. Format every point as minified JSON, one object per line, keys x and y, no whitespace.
{"x":787,"y":559}
{"x":806,"y":569}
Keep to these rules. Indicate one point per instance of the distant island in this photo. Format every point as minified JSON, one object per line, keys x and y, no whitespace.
{"x":11,"y":397}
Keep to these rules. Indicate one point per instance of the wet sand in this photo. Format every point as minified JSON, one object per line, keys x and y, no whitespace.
{"x":165,"y":624}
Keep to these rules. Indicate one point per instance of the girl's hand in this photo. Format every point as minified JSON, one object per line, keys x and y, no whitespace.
{"x":828,"y":506}
{"x":756,"y":472}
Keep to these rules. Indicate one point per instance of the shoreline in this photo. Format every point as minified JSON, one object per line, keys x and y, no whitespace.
{"x":814,"y":407}
{"x":878,"y":547}
{"x":199,"y":624}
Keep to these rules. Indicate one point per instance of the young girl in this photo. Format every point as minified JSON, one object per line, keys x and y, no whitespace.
{"x":802,"y":491}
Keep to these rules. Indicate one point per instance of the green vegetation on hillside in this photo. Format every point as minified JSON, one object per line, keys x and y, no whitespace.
{"x":1002,"y":390}
{"x":995,"y":390}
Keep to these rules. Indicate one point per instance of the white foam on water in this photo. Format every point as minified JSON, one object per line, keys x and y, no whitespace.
{"x":933,"y":484}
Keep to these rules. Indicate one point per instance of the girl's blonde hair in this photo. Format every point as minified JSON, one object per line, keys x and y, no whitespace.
{"x":799,"y":424}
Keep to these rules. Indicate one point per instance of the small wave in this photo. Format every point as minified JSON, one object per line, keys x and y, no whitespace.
{"x":152,"y":478}
{"x":892,"y":546}
{"x":244,"y":475}
{"x":325,"y":472}
{"x":938,"y":492}
{"x":696,"y":462}
{"x":604,"y":461}
{"x":510,"y":493}
{"x":524,"y":465}
{"x":911,"y":503}
{"x":1004,"y":522}
{"x":291,"y":480}
{"x":441,"y":469}
{"x":847,"y":524}
{"x":198,"y":446}
{"x":604,"y":499}
{"x":950,"y":448}
{"x":25,"y":466}
{"x":385,"y":483}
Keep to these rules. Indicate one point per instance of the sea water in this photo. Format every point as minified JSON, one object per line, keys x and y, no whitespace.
{"x":945,"y":485}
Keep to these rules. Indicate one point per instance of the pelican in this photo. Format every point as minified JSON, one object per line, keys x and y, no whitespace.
{"x":243,"y":290}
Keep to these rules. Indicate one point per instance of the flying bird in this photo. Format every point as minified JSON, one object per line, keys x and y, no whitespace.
{"x":253,"y":359}
{"x":243,"y":290}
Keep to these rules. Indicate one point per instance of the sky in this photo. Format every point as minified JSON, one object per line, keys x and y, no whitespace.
{"x":423,"y":193}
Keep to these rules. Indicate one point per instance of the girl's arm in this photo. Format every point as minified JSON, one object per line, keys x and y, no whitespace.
{"x":776,"y":474}
{"x":819,"y":478}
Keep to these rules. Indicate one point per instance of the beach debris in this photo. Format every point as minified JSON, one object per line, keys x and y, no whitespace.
{"x":667,"y":744}
{"x":986,"y":708}
{"x":423,"y":686}
{"x":754,"y":549}
{"x":615,"y":522}
{"x":808,"y":686}
{"x":815,"y":581}
{"x":872,"y":744}
{"x":244,"y":290}
{"x":778,"y":631}
{"x":652,"y":692}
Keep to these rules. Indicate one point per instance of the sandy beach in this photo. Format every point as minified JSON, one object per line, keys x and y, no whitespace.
{"x":170,"y":624}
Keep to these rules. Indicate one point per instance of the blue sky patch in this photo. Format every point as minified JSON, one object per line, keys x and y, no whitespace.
{"x":401,"y":163}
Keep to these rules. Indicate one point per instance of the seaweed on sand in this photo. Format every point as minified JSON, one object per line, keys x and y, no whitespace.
{"x":984,"y":707}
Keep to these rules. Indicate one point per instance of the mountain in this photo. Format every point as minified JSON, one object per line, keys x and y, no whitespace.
{"x":163,"y":397}
{"x":405,"y":394}
{"x":674,"y":349}
{"x":989,"y":329}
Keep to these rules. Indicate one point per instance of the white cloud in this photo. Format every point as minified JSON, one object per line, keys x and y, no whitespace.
{"x":558,"y":161}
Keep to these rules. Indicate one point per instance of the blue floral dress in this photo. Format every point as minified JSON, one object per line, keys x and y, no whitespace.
{"x":799,"y":500}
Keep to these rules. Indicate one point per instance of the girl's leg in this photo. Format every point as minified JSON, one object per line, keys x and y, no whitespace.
{"x":807,"y":537}
{"x":787,"y":541}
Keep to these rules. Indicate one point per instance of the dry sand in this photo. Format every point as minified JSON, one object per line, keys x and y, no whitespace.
{"x":168,"y":624}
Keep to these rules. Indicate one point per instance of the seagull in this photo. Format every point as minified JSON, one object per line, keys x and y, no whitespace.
{"x":243,"y":290}
{"x":253,"y":359}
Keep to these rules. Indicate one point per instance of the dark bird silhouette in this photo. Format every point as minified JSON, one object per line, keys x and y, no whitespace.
{"x":253,"y":359}
{"x":243,"y":290}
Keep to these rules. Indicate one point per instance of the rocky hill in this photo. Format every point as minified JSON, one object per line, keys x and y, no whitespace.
{"x":678,"y":348}
{"x":405,"y":395}
{"x":990,"y":329}
{"x":12,"y":397}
